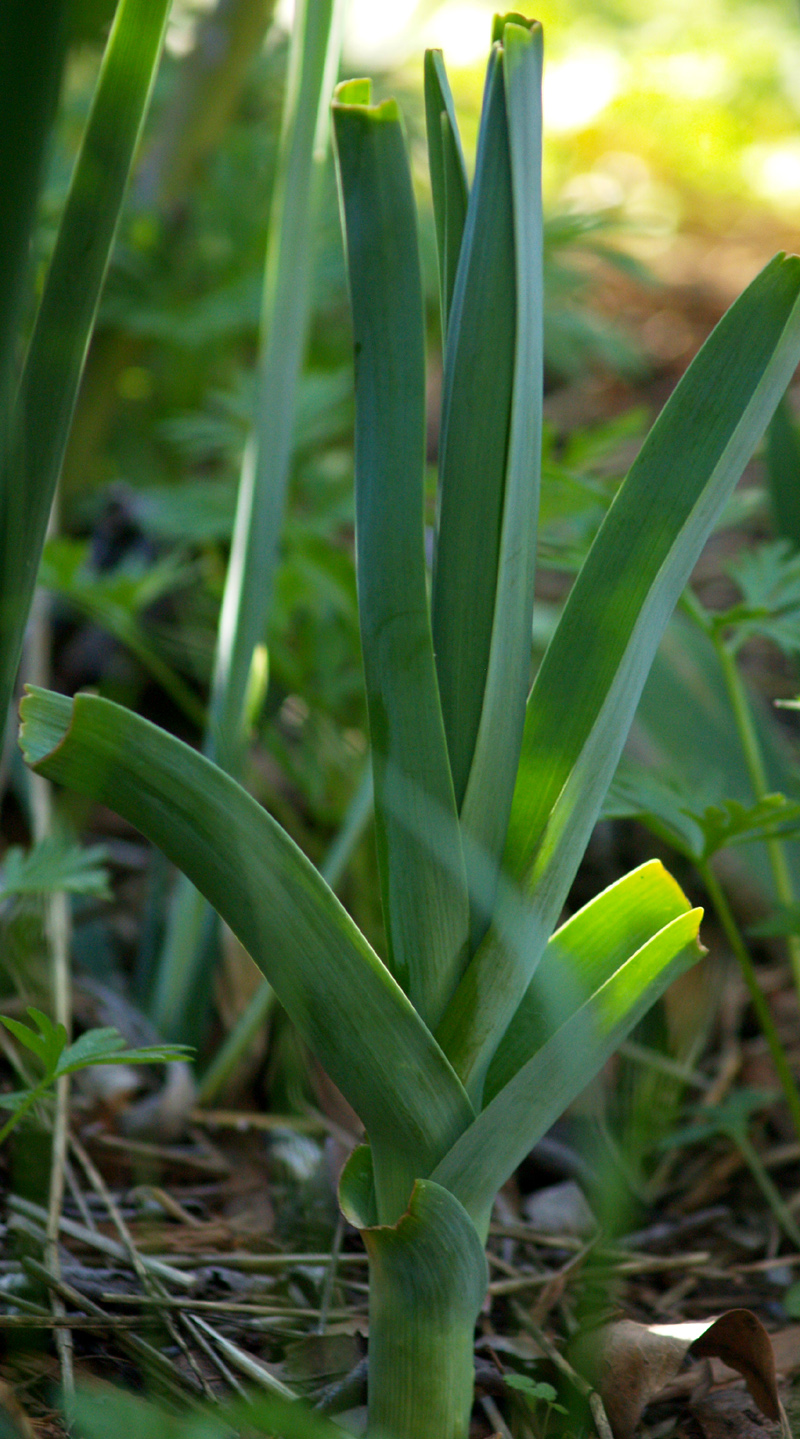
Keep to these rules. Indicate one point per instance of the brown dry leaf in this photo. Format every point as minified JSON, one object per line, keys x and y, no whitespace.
{"x":741,"y":1341}
{"x":629,"y":1363}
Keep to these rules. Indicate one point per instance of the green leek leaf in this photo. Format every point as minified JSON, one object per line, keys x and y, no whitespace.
{"x":587,"y":688}
{"x":490,"y":788}
{"x":581,"y":956}
{"x":473,"y":443}
{"x":419,"y":851}
{"x":488,"y":1152}
{"x":343,"y":1000}
{"x":448,"y":176}
{"x":783,"y":473}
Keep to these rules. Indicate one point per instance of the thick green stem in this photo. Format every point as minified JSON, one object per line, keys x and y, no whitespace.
{"x":766,"y":1024}
{"x":421,"y":1369}
{"x":427,"y":1281}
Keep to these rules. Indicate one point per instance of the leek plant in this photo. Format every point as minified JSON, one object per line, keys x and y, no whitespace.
{"x":485,"y":1019}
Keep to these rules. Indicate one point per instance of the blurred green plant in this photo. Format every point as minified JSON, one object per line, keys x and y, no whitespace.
{"x":55,"y":865}
{"x":99,"y":1413}
{"x":183,"y":981}
{"x":38,"y":399}
{"x":49,"y":1043}
{"x":700,"y":823}
{"x":534,"y":1393}
{"x":732,"y":1119}
{"x":485,"y":1021}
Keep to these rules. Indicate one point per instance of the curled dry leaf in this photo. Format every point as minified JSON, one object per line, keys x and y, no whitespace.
{"x":630,"y":1364}
{"x":741,"y":1341}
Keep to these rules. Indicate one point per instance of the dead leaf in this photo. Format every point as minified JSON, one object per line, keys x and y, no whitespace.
{"x":741,"y":1341}
{"x":630,"y":1364}
{"x":627,"y":1364}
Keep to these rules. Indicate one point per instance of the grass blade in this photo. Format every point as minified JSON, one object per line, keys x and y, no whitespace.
{"x":590,"y":680}
{"x":422,"y":875}
{"x":448,"y":176}
{"x":487,"y":1154}
{"x":57,"y":350}
{"x":344,"y":1001}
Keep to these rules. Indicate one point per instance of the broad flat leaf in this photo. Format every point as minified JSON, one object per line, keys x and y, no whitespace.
{"x":505,"y":1131}
{"x":448,"y":176}
{"x":582,"y":954}
{"x":493,"y":771}
{"x":419,"y":852}
{"x":344,"y":1001}
{"x":428,"y":1278}
{"x":184,"y":980}
{"x":588,"y":685}
{"x":54,"y":363}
